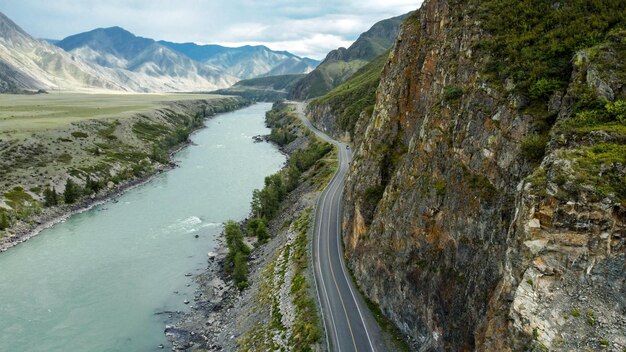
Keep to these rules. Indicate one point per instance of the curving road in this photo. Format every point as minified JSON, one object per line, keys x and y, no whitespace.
{"x":348,"y":322}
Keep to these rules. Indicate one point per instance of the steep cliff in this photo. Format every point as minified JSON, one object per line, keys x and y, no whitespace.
{"x":485,"y":208}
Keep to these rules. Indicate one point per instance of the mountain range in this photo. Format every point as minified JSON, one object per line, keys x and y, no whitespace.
{"x":115,"y":59}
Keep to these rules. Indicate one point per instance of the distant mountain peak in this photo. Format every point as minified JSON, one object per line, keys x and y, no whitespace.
{"x":246,"y":61}
{"x":112,"y":40}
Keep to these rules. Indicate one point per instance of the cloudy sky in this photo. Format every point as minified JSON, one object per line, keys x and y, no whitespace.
{"x":306,"y":28}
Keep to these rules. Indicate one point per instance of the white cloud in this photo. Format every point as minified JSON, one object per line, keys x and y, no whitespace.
{"x":307,"y":28}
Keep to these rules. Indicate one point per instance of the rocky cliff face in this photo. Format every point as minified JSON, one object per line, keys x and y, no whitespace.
{"x":464,"y":236}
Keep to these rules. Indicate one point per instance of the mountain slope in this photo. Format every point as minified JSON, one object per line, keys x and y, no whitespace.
{"x":27,"y":63}
{"x":337,"y":112}
{"x":342,"y":63}
{"x":113,"y":45}
{"x":247,"y":61}
{"x":117,"y":48}
{"x":485,"y":207}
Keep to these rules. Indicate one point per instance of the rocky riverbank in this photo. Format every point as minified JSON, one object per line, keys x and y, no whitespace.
{"x":264,"y":315}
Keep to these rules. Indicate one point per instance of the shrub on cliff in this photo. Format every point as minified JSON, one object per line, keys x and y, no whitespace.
{"x":534,"y":147}
{"x":617,"y":110}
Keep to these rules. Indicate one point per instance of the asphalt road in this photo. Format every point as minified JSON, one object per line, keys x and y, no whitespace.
{"x":348,"y":322}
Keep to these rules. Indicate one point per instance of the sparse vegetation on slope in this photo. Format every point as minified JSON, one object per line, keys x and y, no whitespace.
{"x":533,"y":42}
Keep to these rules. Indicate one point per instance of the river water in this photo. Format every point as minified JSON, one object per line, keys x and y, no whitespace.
{"x":98,"y":281}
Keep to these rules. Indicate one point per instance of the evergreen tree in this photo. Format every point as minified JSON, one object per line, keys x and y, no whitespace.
{"x":256,"y":206}
{"x":72,"y":191}
{"x":51,"y":197}
{"x":235,"y":262}
{"x":92,"y":186}
{"x":234,"y":238}
{"x":261,"y":232}
{"x":258,"y":228}
{"x":293,"y":177}
{"x":4,"y":221}
{"x":240,"y":271}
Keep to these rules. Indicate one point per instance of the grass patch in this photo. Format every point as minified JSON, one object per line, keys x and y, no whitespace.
{"x":261,"y":337}
{"x":479,"y":184}
{"x":24,"y":114}
{"x":608,"y":118}
{"x":595,"y":166}
{"x":149,"y":131}
{"x":17,"y":198}
{"x":65,"y":158}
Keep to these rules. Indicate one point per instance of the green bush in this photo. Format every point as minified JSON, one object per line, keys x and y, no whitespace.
{"x":79,"y":134}
{"x":240,"y":271}
{"x":534,"y":147}
{"x":617,"y":110}
{"x":281,"y":136}
{"x":234,"y":238}
{"x":258,"y":228}
{"x":92,"y":186}
{"x":543,"y":88}
{"x":451,"y":93}
{"x":440,"y":188}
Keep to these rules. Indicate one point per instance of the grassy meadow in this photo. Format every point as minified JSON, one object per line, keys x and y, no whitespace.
{"x":21,"y":115}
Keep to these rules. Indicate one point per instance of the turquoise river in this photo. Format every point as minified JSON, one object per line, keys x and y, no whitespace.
{"x":98,"y":281}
